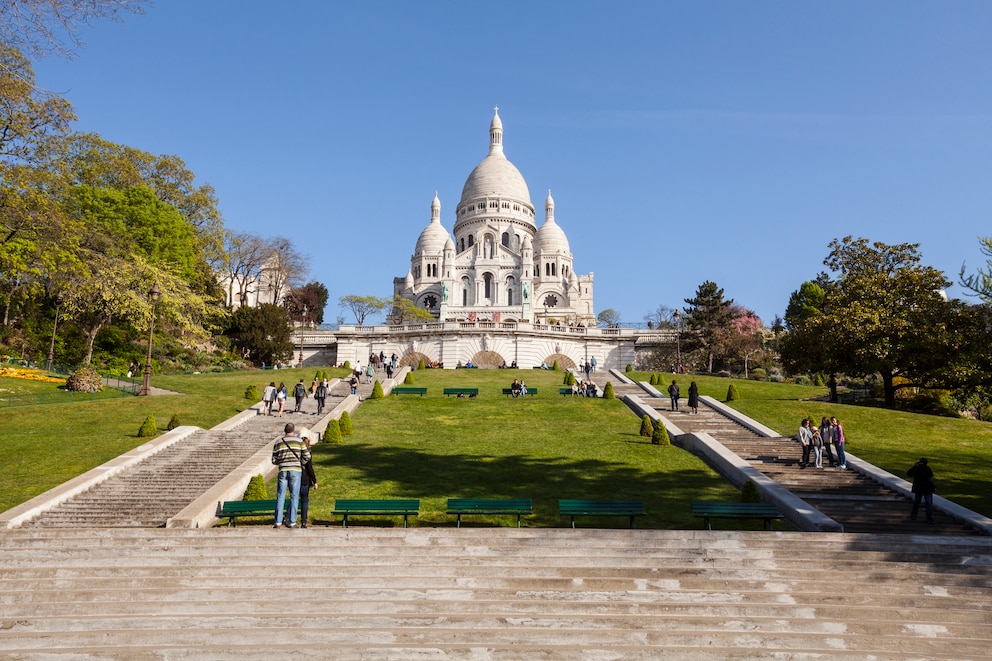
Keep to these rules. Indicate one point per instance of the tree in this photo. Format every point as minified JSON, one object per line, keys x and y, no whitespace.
{"x":980,"y":283}
{"x":261,"y":334}
{"x":28,"y":116}
{"x":363,"y":306}
{"x":243,"y":257}
{"x":608,"y":317}
{"x":709,"y":320}
{"x":285,"y":268}
{"x":404,"y":311}
{"x":41,"y":27}
{"x":663,"y":317}
{"x":306,"y":304}
{"x":883,"y":312}
{"x":746,"y":338}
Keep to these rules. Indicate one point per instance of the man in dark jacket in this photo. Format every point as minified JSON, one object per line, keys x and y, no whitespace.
{"x":923,"y":488}
{"x":300,"y":393}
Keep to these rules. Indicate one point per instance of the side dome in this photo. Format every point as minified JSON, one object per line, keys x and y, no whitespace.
{"x":550,"y":238}
{"x":434,"y":237}
{"x":432,"y":240}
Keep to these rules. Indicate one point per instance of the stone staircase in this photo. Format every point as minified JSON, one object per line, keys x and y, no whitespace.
{"x":850,"y":498}
{"x":154,"y":490}
{"x":491,"y":593}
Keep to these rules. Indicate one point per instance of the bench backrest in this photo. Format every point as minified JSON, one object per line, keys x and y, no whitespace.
{"x":394,"y":505}
{"x":490,"y":503}
{"x":601,"y":506}
{"x":238,"y":506}
{"x":717,"y":508}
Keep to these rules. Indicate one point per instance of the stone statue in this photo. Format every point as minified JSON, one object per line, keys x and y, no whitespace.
{"x":444,"y":293}
{"x":526,"y":291}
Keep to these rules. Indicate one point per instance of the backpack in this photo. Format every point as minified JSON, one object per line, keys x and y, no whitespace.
{"x":300,"y":390}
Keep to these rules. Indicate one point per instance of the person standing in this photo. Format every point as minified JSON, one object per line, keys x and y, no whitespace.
{"x":826,"y":435}
{"x":593,"y":363}
{"x":806,"y":440}
{"x":308,"y":479}
{"x":268,"y":396}
{"x":299,"y":394}
{"x":817,"y":443}
{"x":369,"y":372}
{"x":290,"y":454}
{"x":281,"y":396}
{"x":353,"y":382}
{"x":673,"y":392}
{"x":320,"y":396}
{"x":837,"y":436}
{"x":923,"y":488}
{"x":694,"y":397}
{"x":588,"y":368}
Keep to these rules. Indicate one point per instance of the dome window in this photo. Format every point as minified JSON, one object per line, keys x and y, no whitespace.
{"x":430,"y":302}
{"x":505,"y":239}
{"x":471,"y":240}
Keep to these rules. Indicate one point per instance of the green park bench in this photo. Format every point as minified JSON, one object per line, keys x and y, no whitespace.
{"x":232,"y":509}
{"x":462,"y":392}
{"x":518,"y":506}
{"x":730,"y":510}
{"x":573,"y":508}
{"x":509,"y":391}
{"x":566,"y":391}
{"x":409,"y":390}
{"x":396,"y":507}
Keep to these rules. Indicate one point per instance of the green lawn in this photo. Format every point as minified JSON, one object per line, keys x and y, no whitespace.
{"x":545,"y":447}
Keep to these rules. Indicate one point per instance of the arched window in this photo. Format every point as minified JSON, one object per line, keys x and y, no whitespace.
{"x":461,"y":244}
{"x":505,"y":239}
{"x":471,"y":240}
{"x":466,"y":288}
{"x":488,"y":281}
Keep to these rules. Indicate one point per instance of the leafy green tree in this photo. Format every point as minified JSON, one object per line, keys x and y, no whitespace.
{"x":980,"y":283}
{"x":709,"y":322}
{"x":261,"y":334}
{"x":363,"y":307}
{"x":405,"y":311}
{"x":608,"y":317}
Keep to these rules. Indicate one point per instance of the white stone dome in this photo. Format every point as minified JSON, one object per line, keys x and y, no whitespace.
{"x":495,"y":176}
{"x":550,"y":238}
{"x":434,"y":237}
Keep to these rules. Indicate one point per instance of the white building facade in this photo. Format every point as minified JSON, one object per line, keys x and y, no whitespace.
{"x":497,"y":265}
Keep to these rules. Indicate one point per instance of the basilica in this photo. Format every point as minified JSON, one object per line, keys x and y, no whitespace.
{"x":497,"y":265}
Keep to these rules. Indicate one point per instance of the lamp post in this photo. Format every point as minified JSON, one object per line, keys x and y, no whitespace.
{"x":146,"y":387}
{"x":51,"y":347}
{"x":306,"y":311}
{"x":678,"y":341}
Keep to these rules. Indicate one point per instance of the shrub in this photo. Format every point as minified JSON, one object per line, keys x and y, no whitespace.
{"x":173,"y":422}
{"x":647,"y":428}
{"x":750,"y":493}
{"x":608,"y":391}
{"x":818,"y":381}
{"x":408,"y":381}
{"x":629,"y":368}
{"x":569,"y":379}
{"x":759,"y":374}
{"x":660,"y":435}
{"x":421,"y":365}
{"x":725,"y":374}
{"x":147,"y":428}
{"x":377,"y":390}
{"x":256,"y":489}
{"x":555,"y":367}
{"x":347,"y":365}
{"x":85,"y":379}
{"x":332,"y":434}
{"x":345,"y":424}
{"x":251,"y":393}
{"x":732,"y":393}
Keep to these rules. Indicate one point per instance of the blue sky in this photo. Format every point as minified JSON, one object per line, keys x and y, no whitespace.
{"x":683,"y":142}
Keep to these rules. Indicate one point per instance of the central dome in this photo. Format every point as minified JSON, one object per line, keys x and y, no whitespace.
{"x":495,"y":176}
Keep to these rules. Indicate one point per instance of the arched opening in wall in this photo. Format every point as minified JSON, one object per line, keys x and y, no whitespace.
{"x":461,"y":244}
{"x":471,"y":240}
{"x":564,"y":362}
{"x":488,"y":360}
{"x":510,"y":282}
{"x":505,"y":239}
{"x":466,"y":288}
{"x":413,"y":359}
{"x":487,"y":280}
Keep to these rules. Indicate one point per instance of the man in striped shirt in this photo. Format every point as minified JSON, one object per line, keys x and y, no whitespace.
{"x":290,"y":454}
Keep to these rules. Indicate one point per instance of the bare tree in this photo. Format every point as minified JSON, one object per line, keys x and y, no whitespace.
{"x":244,"y":255}
{"x":285,"y":268}
{"x":43,"y":27}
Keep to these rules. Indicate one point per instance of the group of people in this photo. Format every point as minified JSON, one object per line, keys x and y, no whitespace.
{"x":291,"y":454}
{"x":675,"y":393}
{"x":274,"y":396}
{"x":820,"y":441}
{"x":518,"y":388}
{"x":585,"y":389}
